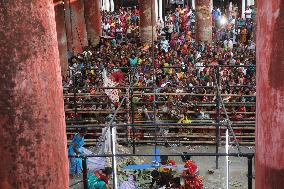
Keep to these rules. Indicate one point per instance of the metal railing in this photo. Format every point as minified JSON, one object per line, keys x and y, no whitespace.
{"x":249,"y":157}
{"x":218,"y":96}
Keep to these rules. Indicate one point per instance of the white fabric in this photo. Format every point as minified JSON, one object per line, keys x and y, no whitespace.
{"x":106,"y":26}
{"x":107,"y":139}
{"x":94,"y":163}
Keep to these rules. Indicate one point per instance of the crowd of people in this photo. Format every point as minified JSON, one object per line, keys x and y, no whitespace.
{"x":181,"y":65}
{"x":190,"y":71}
{"x":125,"y":23}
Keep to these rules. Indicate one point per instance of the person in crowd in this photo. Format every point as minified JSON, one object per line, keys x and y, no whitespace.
{"x":106,"y":28}
{"x":160,"y":179}
{"x":133,"y":60}
{"x":99,"y":179}
{"x":75,"y":149}
{"x":165,"y":45}
{"x":248,"y":13}
{"x":190,"y":176}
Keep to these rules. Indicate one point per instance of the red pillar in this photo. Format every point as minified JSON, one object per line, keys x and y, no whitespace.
{"x":69,"y":33}
{"x":146,"y":19}
{"x":270,"y":95}
{"x":203,"y":21}
{"x":93,"y":20}
{"x":75,"y":25}
{"x":32,"y":127}
{"x":61,"y":35}
{"x":117,"y":4}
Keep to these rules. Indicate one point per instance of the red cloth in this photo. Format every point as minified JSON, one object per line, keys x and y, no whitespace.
{"x":193,"y":183}
{"x":102,"y":177}
{"x":172,"y":162}
{"x":151,"y":98}
{"x":117,"y":77}
{"x":191,"y":180}
{"x":191,"y":167}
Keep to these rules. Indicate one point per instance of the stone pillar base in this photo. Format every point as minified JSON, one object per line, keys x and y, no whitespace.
{"x":146,"y":34}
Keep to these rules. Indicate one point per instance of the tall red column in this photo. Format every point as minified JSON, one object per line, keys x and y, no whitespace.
{"x":32,"y":127}
{"x":75,"y":25}
{"x":270,"y":95}
{"x":61,"y":35}
{"x":93,"y":20}
{"x":147,"y":19}
{"x":69,"y":33}
{"x":203,"y":21}
{"x":117,"y":4}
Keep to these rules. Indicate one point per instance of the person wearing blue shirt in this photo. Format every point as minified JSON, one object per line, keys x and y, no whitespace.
{"x":133,"y":60}
{"x":75,"y":148}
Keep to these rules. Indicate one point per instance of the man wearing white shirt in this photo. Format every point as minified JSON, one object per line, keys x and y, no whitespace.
{"x":230,"y":44}
{"x":165,"y":45}
{"x":106,"y":28}
{"x":248,"y":13}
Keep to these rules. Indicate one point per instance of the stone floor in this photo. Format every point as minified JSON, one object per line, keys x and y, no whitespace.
{"x":217,"y":180}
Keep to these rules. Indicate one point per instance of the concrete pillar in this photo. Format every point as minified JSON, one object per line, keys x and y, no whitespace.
{"x":32,"y":126}
{"x":146,"y":20}
{"x":243,"y":8}
{"x":106,"y":5}
{"x":61,"y":35}
{"x":69,"y":33}
{"x":270,"y":95}
{"x":156,"y":9}
{"x":211,"y":6}
{"x":161,"y":9}
{"x":117,"y":5}
{"x":203,"y":21}
{"x":193,"y":4}
{"x":250,"y":2}
{"x":111,"y":5}
{"x":93,"y":21}
{"x":75,"y":24}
